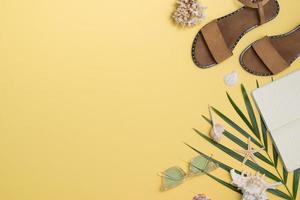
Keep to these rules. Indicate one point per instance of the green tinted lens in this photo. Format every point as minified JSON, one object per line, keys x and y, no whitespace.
{"x":172,"y":177}
{"x":198,"y":164}
{"x":211,"y":166}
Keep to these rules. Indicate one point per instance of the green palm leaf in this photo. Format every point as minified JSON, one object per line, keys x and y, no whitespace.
{"x":236,"y":127}
{"x":240,"y":113}
{"x":250,"y":111}
{"x":285,"y":175}
{"x":275,"y":156}
{"x":242,"y":144}
{"x":279,"y":193}
{"x":257,"y":84}
{"x":264,"y":133}
{"x":296,"y":182}
{"x":238,"y":157}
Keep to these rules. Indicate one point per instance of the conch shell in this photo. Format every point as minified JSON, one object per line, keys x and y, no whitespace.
{"x":253,"y":186}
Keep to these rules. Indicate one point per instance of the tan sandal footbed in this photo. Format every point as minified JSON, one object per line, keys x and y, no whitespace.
{"x":233,"y":27}
{"x":287,"y":46}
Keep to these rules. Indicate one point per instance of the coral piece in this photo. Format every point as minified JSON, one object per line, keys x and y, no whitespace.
{"x":201,"y":197}
{"x":188,"y":13}
{"x":253,"y":187}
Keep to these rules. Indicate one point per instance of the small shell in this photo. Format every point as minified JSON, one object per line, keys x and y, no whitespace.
{"x":217,"y":131}
{"x":201,"y":197}
{"x":231,"y":79}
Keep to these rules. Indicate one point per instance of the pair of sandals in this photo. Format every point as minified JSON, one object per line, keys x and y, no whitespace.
{"x":267,"y":56}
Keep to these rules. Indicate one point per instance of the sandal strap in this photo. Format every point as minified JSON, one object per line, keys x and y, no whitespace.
{"x":216,"y":42}
{"x":258,"y":4}
{"x":269,"y":55}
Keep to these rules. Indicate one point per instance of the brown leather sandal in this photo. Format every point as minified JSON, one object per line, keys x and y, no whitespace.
{"x":215,"y":41}
{"x":271,"y":55}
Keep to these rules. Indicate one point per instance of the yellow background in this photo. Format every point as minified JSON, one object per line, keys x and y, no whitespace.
{"x":97,"y":97}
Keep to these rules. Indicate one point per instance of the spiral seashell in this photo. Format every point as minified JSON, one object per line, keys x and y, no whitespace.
{"x":201,"y":197}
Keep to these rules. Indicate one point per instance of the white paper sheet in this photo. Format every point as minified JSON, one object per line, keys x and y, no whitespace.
{"x":279,"y":104}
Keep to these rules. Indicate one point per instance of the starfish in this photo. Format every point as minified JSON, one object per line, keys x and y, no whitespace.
{"x":249,"y":152}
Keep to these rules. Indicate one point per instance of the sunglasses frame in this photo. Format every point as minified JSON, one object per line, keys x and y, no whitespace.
{"x":188,"y":174}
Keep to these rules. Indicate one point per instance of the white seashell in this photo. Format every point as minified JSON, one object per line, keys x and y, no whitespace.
{"x":253,"y":187}
{"x":231,"y":79}
{"x":217,"y":131}
{"x":201,"y":197}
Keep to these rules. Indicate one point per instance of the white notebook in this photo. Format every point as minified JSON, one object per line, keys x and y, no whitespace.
{"x":279,"y":104}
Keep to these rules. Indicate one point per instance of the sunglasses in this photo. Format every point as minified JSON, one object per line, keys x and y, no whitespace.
{"x":174,"y":176}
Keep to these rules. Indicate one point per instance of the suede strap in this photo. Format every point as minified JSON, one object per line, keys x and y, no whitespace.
{"x":269,"y":55}
{"x":215,"y":41}
{"x":258,"y":4}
